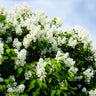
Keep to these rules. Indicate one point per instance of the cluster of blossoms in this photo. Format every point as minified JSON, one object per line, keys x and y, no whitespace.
{"x":89,"y":73}
{"x":1,"y":52}
{"x":38,"y":57}
{"x":40,"y":68}
{"x":21,"y":56}
{"x":13,"y":87}
{"x":92,"y":92}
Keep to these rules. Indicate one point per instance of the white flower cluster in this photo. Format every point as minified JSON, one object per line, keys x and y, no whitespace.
{"x":31,"y":36}
{"x":61,"y":41}
{"x":2,"y":10}
{"x":84,"y":89}
{"x":19,"y":88}
{"x":72,"y":42}
{"x":92,"y":92}
{"x":64,"y":57}
{"x":17,"y":44}
{"x":69,"y":62}
{"x":73,"y":70}
{"x":14,"y":87}
{"x":1,"y":52}
{"x":4,"y":13}
{"x":32,"y":24}
{"x":68,"y":29}
{"x":61,"y":56}
{"x":9,"y":40}
{"x":59,"y":22}
{"x":1,"y":79}
{"x":20,"y":59}
{"x":28,"y":75}
{"x":77,"y":33}
{"x":89,"y":73}
{"x":82,"y":33}
{"x":79,"y":77}
{"x":40,"y":69}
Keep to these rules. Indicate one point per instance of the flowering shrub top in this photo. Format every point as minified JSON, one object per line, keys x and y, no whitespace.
{"x":38,"y":57}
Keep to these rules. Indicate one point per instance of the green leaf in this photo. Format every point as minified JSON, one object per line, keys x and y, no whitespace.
{"x":27,"y":53}
{"x":11,"y":53}
{"x":55,"y":18}
{"x":8,"y":51}
{"x":63,"y":88}
{"x":71,"y":76}
{"x":19,"y":71}
{"x":53,"y":61}
{"x":66,"y":83}
{"x":2,"y":18}
{"x":34,"y":47}
{"x":58,"y":65}
{"x":5,"y":57}
{"x":42,"y":27}
{"x":18,"y":20}
{"x":47,"y":68}
{"x":32,"y":85}
{"x":44,"y":85}
{"x":24,"y":94}
{"x":46,"y":16}
{"x":6,"y":46}
{"x":36,"y":93}
{"x":45,"y":92}
{"x":40,"y":83}
{"x":6,"y":81}
{"x":53,"y":92}
{"x":50,"y":79}
{"x":58,"y":92}
{"x":2,"y":88}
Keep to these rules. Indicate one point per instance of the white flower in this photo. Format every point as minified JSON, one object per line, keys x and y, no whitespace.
{"x":73,"y":70}
{"x":1,"y":59}
{"x":69,"y":62}
{"x":48,"y":20}
{"x":92,"y":92}
{"x":26,"y":42}
{"x":28,"y":75}
{"x":40,"y":69}
{"x":9,"y":39}
{"x":72,"y":42}
{"x":1,"y":79}
{"x":1,"y":48}
{"x":21,"y":88}
{"x":89,"y":73}
{"x":20,"y":59}
{"x":12,"y":77}
{"x":17,"y":44}
{"x":68,"y":29}
{"x":10,"y":90}
{"x":84,"y":89}
{"x":59,"y":22}
{"x":61,"y":41}
{"x":78,"y":77}
{"x":79,"y":85}
{"x":82,"y":34}
{"x":61,"y":56}
{"x":18,"y":30}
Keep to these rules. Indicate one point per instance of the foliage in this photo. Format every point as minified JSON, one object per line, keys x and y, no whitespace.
{"x":38,"y":57}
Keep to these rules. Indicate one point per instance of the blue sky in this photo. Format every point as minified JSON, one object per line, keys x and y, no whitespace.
{"x":73,"y":12}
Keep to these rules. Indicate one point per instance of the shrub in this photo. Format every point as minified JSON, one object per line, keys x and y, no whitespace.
{"x":38,"y":57}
